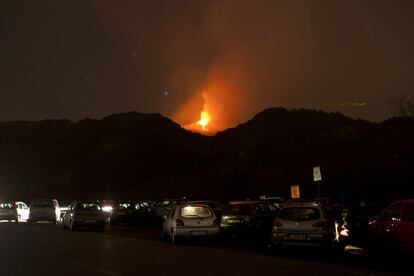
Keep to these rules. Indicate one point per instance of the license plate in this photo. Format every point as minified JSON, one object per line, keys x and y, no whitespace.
{"x":299,"y":237}
{"x":198,"y":233}
{"x":234,"y":221}
{"x":89,"y":221}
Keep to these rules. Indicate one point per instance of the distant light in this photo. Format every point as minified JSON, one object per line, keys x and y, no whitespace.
{"x":107,"y":209}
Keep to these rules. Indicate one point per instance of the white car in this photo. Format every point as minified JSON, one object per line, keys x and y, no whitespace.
{"x":189,"y":221}
{"x":44,"y":210}
{"x":16,"y":211}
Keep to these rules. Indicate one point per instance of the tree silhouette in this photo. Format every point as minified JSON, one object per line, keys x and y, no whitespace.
{"x":401,"y":106}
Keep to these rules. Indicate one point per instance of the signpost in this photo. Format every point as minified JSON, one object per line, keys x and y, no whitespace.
{"x":317,"y":177}
{"x":294,"y":191}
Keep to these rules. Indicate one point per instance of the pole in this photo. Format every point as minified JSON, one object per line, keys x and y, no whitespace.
{"x":319,"y":189}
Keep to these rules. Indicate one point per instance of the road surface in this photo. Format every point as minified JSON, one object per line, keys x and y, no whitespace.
{"x":44,"y":249}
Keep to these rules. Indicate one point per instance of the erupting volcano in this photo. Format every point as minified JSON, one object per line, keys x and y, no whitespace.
{"x":204,"y":120}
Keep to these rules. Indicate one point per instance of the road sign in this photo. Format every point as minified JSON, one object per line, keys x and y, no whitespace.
{"x":317,"y":176}
{"x":295,"y":191}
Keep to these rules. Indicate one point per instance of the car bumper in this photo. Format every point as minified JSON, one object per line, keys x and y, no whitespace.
{"x":306,"y":239}
{"x":196,"y":231}
{"x":82,"y":224}
{"x":8,"y":217}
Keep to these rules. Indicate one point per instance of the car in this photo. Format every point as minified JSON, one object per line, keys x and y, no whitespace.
{"x":394,"y":228}
{"x":17,"y":211}
{"x":275,"y":200}
{"x":240,"y":217}
{"x":130,"y":212}
{"x":304,"y":223}
{"x":190,"y":221}
{"x":84,"y":214}
{"x":216,"y":206}
{"x":44,"y":210}
{"x":163,"y":207}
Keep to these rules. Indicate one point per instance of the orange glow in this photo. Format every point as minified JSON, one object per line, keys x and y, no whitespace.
{"x":204,"y":120}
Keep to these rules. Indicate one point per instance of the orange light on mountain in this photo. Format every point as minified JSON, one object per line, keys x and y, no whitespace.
{"x":204,"y":120}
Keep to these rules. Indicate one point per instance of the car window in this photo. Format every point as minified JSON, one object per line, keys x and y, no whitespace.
{"x":299,"y":213}
{"x":124,"y":205}
{"x":89,"y":206}
{"x":195,"y":212}
{"x":392,"y":213}
{"x":238,"y":209}
{"x":272,"y":208}
{"x":262,"y":208}
{"x":171,"y":214}
{"x":6,"y":206}
{"x":408,"y":213}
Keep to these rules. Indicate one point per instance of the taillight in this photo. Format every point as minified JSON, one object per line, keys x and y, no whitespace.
{"x":179,"y":222}
{"x":14,"y":206}
{"x":216,"y":222}
{"x":320,"y":224}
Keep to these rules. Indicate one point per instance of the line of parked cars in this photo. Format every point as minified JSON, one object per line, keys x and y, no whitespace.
{"x":282,"y":224}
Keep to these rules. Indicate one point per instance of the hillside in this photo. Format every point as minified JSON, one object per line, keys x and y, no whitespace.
{"x":134,"y":155}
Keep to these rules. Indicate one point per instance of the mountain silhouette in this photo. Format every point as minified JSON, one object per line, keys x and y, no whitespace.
{"x":139,"y":156}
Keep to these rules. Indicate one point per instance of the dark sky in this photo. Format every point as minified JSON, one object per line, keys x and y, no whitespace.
{"x":76,"y":59}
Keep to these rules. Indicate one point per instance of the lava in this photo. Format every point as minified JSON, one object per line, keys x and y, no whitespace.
{"x":204,"y":120}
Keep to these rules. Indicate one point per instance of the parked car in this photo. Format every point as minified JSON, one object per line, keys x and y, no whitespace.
{"x":189,"y":221}
{"x":129,"y":212}
{"x":275,"y":200}
{"x":248,"y":216}
{"x":303,"y":223}
{"x":394,"y":228}
{"x":163,"y":207}
{"x":44,"y":210}
{"x":217,"y":207}
{"x":16,"y":211}
{"x":84,"y":214}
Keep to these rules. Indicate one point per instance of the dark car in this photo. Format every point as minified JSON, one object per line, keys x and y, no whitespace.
{"x":84,"y":214}
{"x":247,"y":217}
{"x":217,"y":207}
{"x":131,"y":213}
{"x":394,"y":228}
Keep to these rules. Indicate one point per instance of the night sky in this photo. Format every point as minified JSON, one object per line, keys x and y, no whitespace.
{"x":76,"y":59}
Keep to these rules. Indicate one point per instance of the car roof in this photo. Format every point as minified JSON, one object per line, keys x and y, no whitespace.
{"x":301,"y":204}
{"x":192,"y":204}
{"x":245,"y":202}
{"x":404,"y":201}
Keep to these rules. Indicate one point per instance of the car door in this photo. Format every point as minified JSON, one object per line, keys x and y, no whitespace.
{"x":168,"y":221}
{"x":68,"y":214}
{"x":388,"y":223}
{"x":25,"y":211}
{"x":405,"y":230}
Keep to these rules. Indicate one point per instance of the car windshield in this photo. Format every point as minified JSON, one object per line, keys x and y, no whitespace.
{"x":42,"y":203}
{"x":89,"y":206}
{"x":6,"y":206}
{"x":299,"y":213}
{"x":195,"y":211}
{"x":124,"y":205}
{"x":238,"y":209}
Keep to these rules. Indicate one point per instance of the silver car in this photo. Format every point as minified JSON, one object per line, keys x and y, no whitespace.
{"x":84,"y":214}
{"x":44,"y":210}
{"x":189,"y":221}
{"x":303,"y":224}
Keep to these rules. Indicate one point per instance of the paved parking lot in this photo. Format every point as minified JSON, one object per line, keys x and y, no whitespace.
{"x":45,"y":249}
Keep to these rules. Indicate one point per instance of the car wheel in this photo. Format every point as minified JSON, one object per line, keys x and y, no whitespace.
{"x":72,"y":226}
